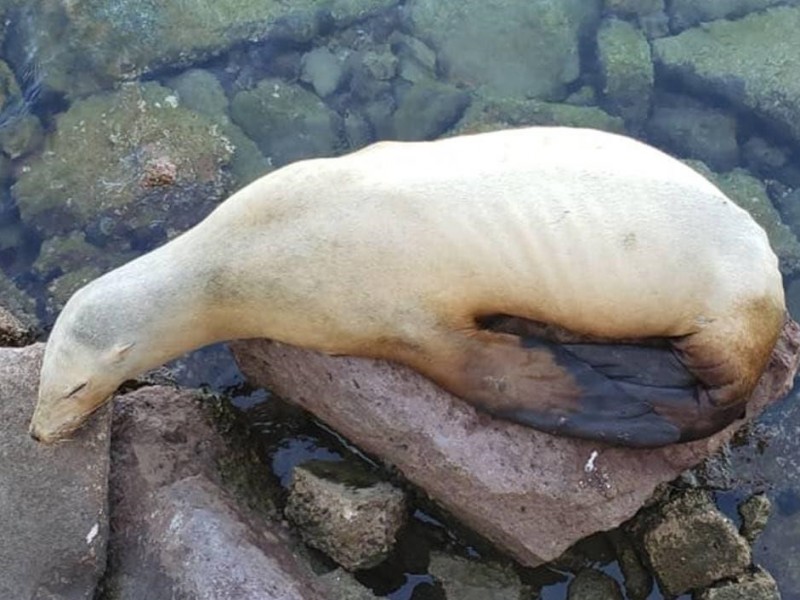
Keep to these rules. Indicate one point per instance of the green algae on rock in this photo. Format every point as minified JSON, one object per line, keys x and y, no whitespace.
{"x":522,"y":49}
{"x":626,"y":68}
{"x":89,"y":45}
{"x":752,"y":62}
{"x":123,"y":161}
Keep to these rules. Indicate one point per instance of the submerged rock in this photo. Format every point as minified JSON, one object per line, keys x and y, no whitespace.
{"x":109,"y":166}
{"x":688,"y":13}
{"x":523,"y":49}
{"x":53,"y":499}
{"x":128,"y":39}
{"x":348,"y":514}
{"x":13,"y":332}
{"x":751,"y":62}
{"x":464,"y":579}
{"x":593,"y":585}
{"x":545,"y":492}
{"x":755,"y":513}
{"x":427,"y":109}
{"x":626,"y":68}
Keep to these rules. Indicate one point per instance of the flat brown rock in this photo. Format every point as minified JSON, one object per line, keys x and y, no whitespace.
{"x":530,"y":493}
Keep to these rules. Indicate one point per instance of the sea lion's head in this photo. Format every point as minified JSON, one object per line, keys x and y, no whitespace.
{"x":88,"y":355}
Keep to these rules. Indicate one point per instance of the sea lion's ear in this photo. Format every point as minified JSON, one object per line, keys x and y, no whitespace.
{"x":120,"y":351}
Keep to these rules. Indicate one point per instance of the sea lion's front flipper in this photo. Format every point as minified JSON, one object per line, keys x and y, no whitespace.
{"x":626,"y":395}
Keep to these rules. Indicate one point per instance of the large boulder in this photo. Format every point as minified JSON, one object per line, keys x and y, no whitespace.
{"x":530,"y":493}
{"x":53,"y":499}
{"x":751,"y":62}
{"x":527,"y":49}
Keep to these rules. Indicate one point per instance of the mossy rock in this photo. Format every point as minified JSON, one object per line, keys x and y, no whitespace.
{"x":122,"y":161}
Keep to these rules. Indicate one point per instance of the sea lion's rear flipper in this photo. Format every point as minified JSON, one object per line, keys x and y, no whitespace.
{"x":627,"y":395}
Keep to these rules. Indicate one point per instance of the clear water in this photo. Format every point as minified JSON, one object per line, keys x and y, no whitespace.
{"x":284,"y":81}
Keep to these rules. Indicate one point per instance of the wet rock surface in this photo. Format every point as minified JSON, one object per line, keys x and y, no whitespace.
{"x":758,"y":585}
{"x":691,"y":545}
{"x":463,"y":579}
{"x":749,"y":62}
{"x":346,"y":513}
{"x":593,"y":585}
{"x":13,"y":332}
{"x":176,"y":529}
{"x":53,"y":499}
{"x":527,"y":49}
{"x":755,"y":513}
{"x":545,"y":492}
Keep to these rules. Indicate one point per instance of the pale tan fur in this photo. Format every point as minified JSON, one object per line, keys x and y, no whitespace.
{"x":393,"y":251}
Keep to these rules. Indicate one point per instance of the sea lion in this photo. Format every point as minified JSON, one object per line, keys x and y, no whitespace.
{"x":405,"y":251}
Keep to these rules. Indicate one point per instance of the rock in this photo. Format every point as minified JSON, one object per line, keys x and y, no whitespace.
{"x":53,"y":519}
{"x":532,"y":46}
{"x":688,"y":13}
{"x":749,"y":62}
{"x":427,"y":109}
{"x":762,"y":157}
{"x":287,"y":122}
{"x":416,"y":59}
{"x":690,"y":544}
{"x":380,"y":65}
{"x":489,"y":114}
{"x":201,"y":91}
{"x":21,"y":136}
{"x":758,"y":585}
{"x":464,"y":579}
{"x":749,"y":193}
{"x":593,"y":585}
{"x":755,"y":514}
{"x":626,"y":69}
{"x":13,"y":332}
{"x":345,"y":512}
{"x":20,"y":304}
{"x":343,"y":586}
{"x":633,"y":8}
{"x":703,"y":134}
{"x":177,"y":531}
{"x":542,"y":495}
{"x":138,"y":38}
{"x":109,"y":167}
{"x":323,"y":70}
{"x":70,"y":253}
{"x":638,"y":582}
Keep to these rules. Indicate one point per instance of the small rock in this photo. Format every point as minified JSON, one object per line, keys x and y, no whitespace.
{"x":752,"y":586}
{"x":691,"y":545}
{"x":21,"y":136}
{"x":464,"y":579}
{"x":345,"y":512}
{"x":380,"y":65}
{"x":593,"y":585}
{"x":323,"y":70}
{"x":761,"y":156}
{"x":341,"y":585}
{"x":638,"y":582}
{"x":417,"y":59}
{"x":755,"y":513}
{"x":427,"y":110}
{"x":13,"y":332}
{"x":626,"y":68}
{"x":199,"y":90}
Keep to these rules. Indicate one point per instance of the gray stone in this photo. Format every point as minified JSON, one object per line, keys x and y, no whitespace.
{"x":750,"y":62}
{"x":464,"y":579}
{"x":53,"y":514}
{"x":626,"y":68}
{"x":525,"y":49}
{"x":345,"y":512}
{"x":688,"y":13}
{"x":177,"y":531}
{"x":701,"y":133}
{"x":593,"y":585}
{"x":323,"y":70}
{"x":14,"y":332}
{"x":341,"y":585}
{"x":287,"y":122}
{"x":755,"y":513}
{"x":691,"y":545}
{"x":427,"y":110}
{"x":638,"y":582}
{"x":752,"y":586}
{"x":543,"y":498}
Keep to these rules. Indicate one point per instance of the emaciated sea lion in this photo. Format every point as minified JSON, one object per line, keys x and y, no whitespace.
{"x":428,"y":253}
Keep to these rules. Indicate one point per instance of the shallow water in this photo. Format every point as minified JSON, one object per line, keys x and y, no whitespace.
{"x":123,"y":122}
